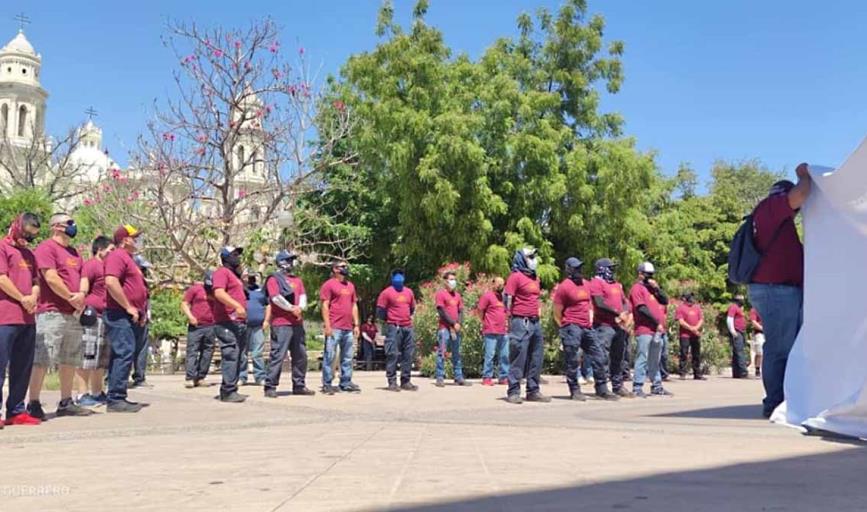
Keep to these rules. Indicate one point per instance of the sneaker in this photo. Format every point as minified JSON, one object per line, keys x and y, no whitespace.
{"x":661,"y":392}
{"x":440,"y":383}
{"x":582,"y":381}
{"x":71,"y":409}
{"x":233,"y":398}
{"x":408,"y":386}
{"x":682,"y":376}
{"x":515,"y":399}
{"x":576,"y":396}
{"x":260,"y":382}
{"x":607,"y":395}
{"x":487,"y":381}
{"x":624,"y":393}
{"x":639,"y":393}
{"x":351,"y":388}
{"x":270,"y":393}
{"x":699,"y":377}
{"x":201,"y":383}
{"x":190,"y":384}
{"x":759,"y":375}
{"x":22,"y":419}
{"x":503,"y":382}
{"x":102,"y":398}
{"x":538,"y":397}
{"x":123,"y":406}
{"x":590,"y":380}
{"x":142,"y":384}
{"x":393,"y":387}
{"x":328,"y":389}
{"x":303,"y":392}
{"x":243,"y":382}
{"x":34,"y":408}
{"x":464,"y":383}
{"x":665,"y":379}
{"x":87,"y":400}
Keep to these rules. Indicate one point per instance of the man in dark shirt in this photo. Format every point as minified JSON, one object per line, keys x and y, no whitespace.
{"x":776,"y":287}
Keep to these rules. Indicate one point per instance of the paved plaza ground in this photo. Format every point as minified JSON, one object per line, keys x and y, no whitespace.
{"x":451,"y":449}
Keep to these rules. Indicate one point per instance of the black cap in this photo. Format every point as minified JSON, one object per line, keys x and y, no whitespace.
{"x":574,"y":262}
{"x":605,"y":263}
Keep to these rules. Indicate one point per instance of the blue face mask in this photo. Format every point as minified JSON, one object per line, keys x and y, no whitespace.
{"x":71,"y":230}
{"x":397,"y":281}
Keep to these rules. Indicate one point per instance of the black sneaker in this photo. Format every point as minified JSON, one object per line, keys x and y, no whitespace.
{"x":624,"y":393}
{"x":607,"y":395}
{"x":515,"y":399}
{"x":270,"y":393}
{"x":34,"y":408}
{"x":303,"y":392}
{"x":123,"y":406}
{"x":463,"y":382}
{"x":351,"y":388}
{"x":661,"y":392}
{"x":440,"y":383}
{"x":538,"y":397}
{"x":233,"y":398}
{"x":393,"y":387}
{"x":328,"y":389}
{"x":72,"y":409}
{"x":408,"y":386}
{"x":576,"y":396}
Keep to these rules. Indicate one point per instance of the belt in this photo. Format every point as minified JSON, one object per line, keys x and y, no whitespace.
{"x":531,"y":319}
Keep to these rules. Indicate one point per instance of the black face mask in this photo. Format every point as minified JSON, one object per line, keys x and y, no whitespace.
{"x":232,"y":261}
{"x":739,"y":302}
{"x":344,"y":271}
{"x":29,"y":237}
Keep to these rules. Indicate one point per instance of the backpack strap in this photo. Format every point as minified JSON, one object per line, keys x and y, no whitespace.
{"x":773,"y":237}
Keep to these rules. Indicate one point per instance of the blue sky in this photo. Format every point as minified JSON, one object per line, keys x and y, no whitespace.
{"x":778,"y":81}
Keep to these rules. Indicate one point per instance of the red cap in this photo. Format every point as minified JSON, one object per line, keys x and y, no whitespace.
{"x":124,"y":231}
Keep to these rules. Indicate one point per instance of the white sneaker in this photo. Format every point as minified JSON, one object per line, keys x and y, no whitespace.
{"x":582,"y":381}
{"x":591,"y":380}
{"x":189,"y":384}
{"x":202,"y":383}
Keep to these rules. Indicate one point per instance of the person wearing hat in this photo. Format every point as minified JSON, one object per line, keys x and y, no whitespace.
{"x":19,"y":294}
{"x":776,"y":287}
{"x":342,"y":326}
{"x":288,"y":301}
{"x":521,"y":297}
{"x":126,"y":305}
{"x":736,"y":324}
{"x":610,"y":317}
{"x":395,"y":307}
{"x":690,"y":320}
{"x":648,"y":308}
{"x":58,"y":330}
{"x":198,"y":307}
{"x":140,"y":360}
{"x":230,"y":317}
{"x":95,"y":364}
{"x":573,"y":314}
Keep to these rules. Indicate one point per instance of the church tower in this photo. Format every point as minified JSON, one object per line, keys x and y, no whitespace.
{"x":22,"y":98}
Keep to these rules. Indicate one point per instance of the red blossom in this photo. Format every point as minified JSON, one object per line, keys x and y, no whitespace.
{"x":201,"y":138}
{"x":218,"y":53}
{"x":242,"y":193}
{"x":275,"y":47}
{"x":237,"y":45}
{"x":201,"y":151}
{"x":339,"y":105}
{"x":301,"y":51}
{"x":169,"y":137}
{"x":88,"y":202}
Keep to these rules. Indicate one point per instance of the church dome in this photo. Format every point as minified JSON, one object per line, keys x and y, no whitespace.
{"x":19,"y":44}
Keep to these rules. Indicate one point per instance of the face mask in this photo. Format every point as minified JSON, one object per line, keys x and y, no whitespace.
{"x":71,"y":230}
{"x":29,"y":237}
{"x":606,"y":273}
{"x":344,"y":271}
{"x":645,"y":277}
{"x":286,"y":265}
{"x":452,"y":283}
{"x":739,"y":302}
{"x":138,"y":243}
{"x":232,"y":261}
{"x":397,"y":281}
{"x":532,"y":263}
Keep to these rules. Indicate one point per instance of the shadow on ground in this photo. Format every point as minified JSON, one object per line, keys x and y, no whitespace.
{"x":732,"y":412}
{"x":831,"y":481}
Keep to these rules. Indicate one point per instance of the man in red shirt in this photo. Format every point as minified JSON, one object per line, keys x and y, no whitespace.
{"x":395,"y":307}
{"x":124,"y":317}
{"x":648,"y":308}
{"x":288,"y":302}
{"x":610,"y":317}
{"x":690,"y":320}
{"x":58,"y":331}
{"x":776,"y":286}
{"x":368,"y":341}
{"x":230,"y":319}
{"x":198,"y":306}
{"x":573,"y":313}
{"x":19,"y":293}
{"x":525,"y":330}
{"x":758,"y":339}
{"x":342,"y":327}
{"x":493,"y":313}
{"x":737,"y":326}
{"x":93,"y":286}
{"x":450,"y":313}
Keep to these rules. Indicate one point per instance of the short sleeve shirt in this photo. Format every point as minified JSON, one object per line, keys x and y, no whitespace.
{"x":782,"y":261}
{"x":612,"y":296}
{"x":754,"y":317}
{"x":120,"y":264}
{"x":341,"y":300}
{"x":280,"y":316}
{"x":639,"y":296}
{"x":737,"y":313}
{"x":576,"y":303}
{"x":201,"y":306}
{"x":94,"y":271}
{"x":525,"y":292}
{"x":19,"y":264}
{"x":452,"y":303}
{"x":692,"y":315}
{"x":225,"y":279}
{"x":50,"y":255}
{"x":398,"y":305}
{"x":493,"y":313}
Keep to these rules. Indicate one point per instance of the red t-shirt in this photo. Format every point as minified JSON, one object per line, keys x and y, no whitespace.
{"x":341,"y":299}
{"x":493,"y":313}
{"x":280,"y":316}
{"x":689,"y":314}
{"x":738,"y":313}
{"x":525,"y":294}
{"x":120,"y":264}
{"x":370,"y":330}
{"x":94,"y":271}
{"x":612,"y":296}
{"x":452,"y":303}
{"x":640,"y":295}
{"x":66,"y":261}
{"x":225,"y":279}
{"x":782,"y":262}
{"x":19,"y":265}
{"x":201,"y":306}
{"x":754,"y":317}
{"x":398,"y":305}
{"x":576,"y":303}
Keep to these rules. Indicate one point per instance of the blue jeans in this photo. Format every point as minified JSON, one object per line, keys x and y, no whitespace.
{"x":343,"y":339}
{"x":496,"y":343}
{"x":647,"y":351}
{"x":780,"y":307}
{"x":445,"y":343}
{"x":526,"y":354}
{"x":256,"y":348}
{"x":17,"y":347}
{"x":140,"y":362}
{"x":586,"y":364}
{"x":124,"y":336}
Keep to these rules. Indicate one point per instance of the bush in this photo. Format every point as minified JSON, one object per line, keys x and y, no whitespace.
{"x":25,"y":200}
{"x":167,"y":320}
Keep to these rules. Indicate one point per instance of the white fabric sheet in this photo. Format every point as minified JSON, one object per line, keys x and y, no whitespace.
{"x":826,"y":377}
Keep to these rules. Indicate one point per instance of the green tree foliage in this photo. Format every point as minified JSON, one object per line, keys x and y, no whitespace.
{"x":167,"y":320}
{"x":31,"y":200}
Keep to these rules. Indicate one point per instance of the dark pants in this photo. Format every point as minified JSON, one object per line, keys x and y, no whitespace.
{"x":526,"y":352}
{"x":140,"y":359}
{"x":690,"y":344}
{"x":575,"y":337}
{"x":613,"y":343}
{"x":663,"y":358}
{"x":200,"y":350}
{"x":232,"y":338}
{"x":17,"y":346}
{"x":291,"y":339}
{"x":399,"y":340}
{"x":124,"y":336}
{"x":367,"y":351}
{"x":739,"y":356}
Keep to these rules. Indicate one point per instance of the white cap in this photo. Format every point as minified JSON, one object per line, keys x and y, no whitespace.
{"x":646,"y":268}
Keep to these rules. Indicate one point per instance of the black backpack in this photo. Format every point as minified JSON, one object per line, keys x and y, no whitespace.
{"x":744,"y":256}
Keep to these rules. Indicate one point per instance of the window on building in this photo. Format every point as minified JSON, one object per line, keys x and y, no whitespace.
{"x":241,"y":157}
{"x":22,"y":120}
{"x":4,"y":117}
